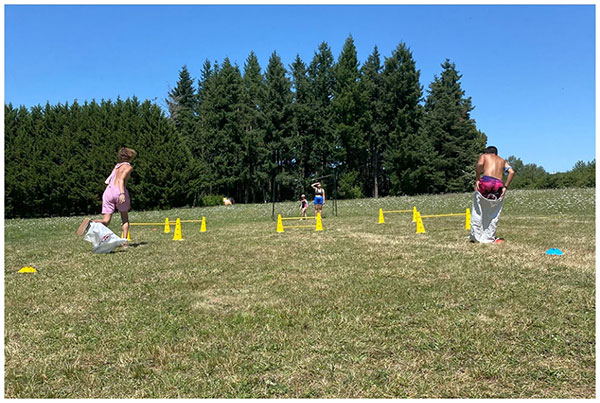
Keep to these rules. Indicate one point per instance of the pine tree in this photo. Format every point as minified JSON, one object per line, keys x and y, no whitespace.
{"x":182,"y":101}
{"x":452,"y":131}
{"x":302,"y":115}
{"x":321,"y":73}
{"x":347,"y":108}
{"x":277,"y":112}
{"x":225,"y":142}
{"x":402,"y":112}
{"x":254,"y":151}
{"x":372,"y":121}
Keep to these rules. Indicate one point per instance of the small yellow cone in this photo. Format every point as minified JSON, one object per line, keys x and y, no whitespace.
{"x":177,"y":235}
{"x":28,"y":269}
{"x":381,"y":220}
{"x":420,"y":227}
{"x":123,"y":235}
{"x":167,"y":226}
{"x":279,"y":223}
{"x":415,"y":214}
{"x":319,"y":226}
{"x":468,"y":219}
{"x":203,"y":225}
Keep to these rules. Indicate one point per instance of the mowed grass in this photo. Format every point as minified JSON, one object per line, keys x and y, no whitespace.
{"x":359,"y":310}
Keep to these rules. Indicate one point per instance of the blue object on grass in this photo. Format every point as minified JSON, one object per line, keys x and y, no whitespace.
{"x":554,"y":251}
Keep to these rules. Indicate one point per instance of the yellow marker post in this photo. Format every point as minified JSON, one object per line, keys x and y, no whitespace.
{"x":167,"y":226}
{"x":468,"y":219}
{"x":319,"y":226}
{"x":279,"y":223}
{"x":415,"y":214}
{"x":123,"y":235}
{"x":381,"y":220}
{"x":177,"y":235}
{"x":28,"y":269}
{"x":420,"y":227}
{"x":203,"y":225}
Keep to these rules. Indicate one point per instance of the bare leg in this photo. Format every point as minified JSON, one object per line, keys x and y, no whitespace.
{"x":125,"y":224}
{"x":105,"y":219}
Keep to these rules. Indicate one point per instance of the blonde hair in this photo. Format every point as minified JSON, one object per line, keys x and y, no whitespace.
{"x":126,"y":154}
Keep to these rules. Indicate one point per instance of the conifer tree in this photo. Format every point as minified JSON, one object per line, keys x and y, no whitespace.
{"x":302,"y":115}
{"x":224,"y":129}
{"x":452,"y":131}
{"x":402,"y":112}
{"x":277,"y":112}
{"x":199,"y":138}
{"x":347,"y":109}
{"x":254,"y":151}
{"x":182,"y":101}
{"x":372,"y":121}
{"x":321,"y":73}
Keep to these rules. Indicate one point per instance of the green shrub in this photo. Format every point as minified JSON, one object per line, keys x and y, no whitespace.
{"x":211,"y":200}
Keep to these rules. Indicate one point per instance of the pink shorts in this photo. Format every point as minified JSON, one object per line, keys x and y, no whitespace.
{"x":110,"y":201}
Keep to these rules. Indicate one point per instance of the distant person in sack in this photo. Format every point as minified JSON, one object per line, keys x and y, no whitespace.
{"x":489,"y":195}
{"x":116,"y":197}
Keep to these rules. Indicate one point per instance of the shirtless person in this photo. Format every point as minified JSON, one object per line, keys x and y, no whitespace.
{"x":489,"y":196}
{"x":492,"y":168}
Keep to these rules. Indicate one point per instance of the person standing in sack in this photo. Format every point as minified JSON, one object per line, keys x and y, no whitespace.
{"x":115,"y":196}
{"x":489,"y":195}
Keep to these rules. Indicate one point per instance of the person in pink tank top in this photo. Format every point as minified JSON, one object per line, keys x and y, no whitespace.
{"x":115,"y":196}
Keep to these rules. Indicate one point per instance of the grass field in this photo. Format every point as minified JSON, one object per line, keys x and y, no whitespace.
{"x":359,"y":310}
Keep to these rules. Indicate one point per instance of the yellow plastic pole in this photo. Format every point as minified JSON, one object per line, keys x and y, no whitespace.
{"x":167,"y":226}
{"x":279,"y":223}
{"x":203,"y":225}
{"x":381,"y":220}
{"x":468,"y":219}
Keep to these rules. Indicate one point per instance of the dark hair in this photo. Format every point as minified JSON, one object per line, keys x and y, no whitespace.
{"x":491,"y":150}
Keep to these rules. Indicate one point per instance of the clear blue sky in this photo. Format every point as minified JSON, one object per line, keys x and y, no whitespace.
{"x":530,"y":70}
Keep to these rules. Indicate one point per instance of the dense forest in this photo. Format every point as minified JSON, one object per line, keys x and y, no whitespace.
{"x":260,"y":135}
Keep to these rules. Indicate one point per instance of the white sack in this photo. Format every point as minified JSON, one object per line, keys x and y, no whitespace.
{"x":103,"y":239}
{"x":484,"y":218}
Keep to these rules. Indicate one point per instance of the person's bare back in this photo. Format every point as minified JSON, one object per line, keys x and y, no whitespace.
{"x":493,"y":165}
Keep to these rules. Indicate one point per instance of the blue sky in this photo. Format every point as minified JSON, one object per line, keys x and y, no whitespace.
{"x":529,"y":69}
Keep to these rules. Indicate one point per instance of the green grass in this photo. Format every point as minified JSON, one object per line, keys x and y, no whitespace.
{"x":359,"y":310}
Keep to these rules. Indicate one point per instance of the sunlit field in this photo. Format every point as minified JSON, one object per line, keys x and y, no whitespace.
{"x":359,"y":310}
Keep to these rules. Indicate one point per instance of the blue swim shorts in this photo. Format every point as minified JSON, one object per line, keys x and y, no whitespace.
{"x":318,"y":200}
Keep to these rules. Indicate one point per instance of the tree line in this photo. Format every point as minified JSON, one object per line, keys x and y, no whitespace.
{"x":369,"y":127}
{"x":255,"y":136}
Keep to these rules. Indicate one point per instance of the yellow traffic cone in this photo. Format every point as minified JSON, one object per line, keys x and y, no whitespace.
{"x":415,"y":214}
{"x":167,"y":226}
{"x":123,"y":235}
{"x":319,"y":226}
{"x":381,"y":220}
{"x":203,"y":225}
{"x":468,"y":219}
{"x":279,"y":223}
{"x":420,"y":227}
{"x":27,"y":269}
{"x":177,"y":235}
